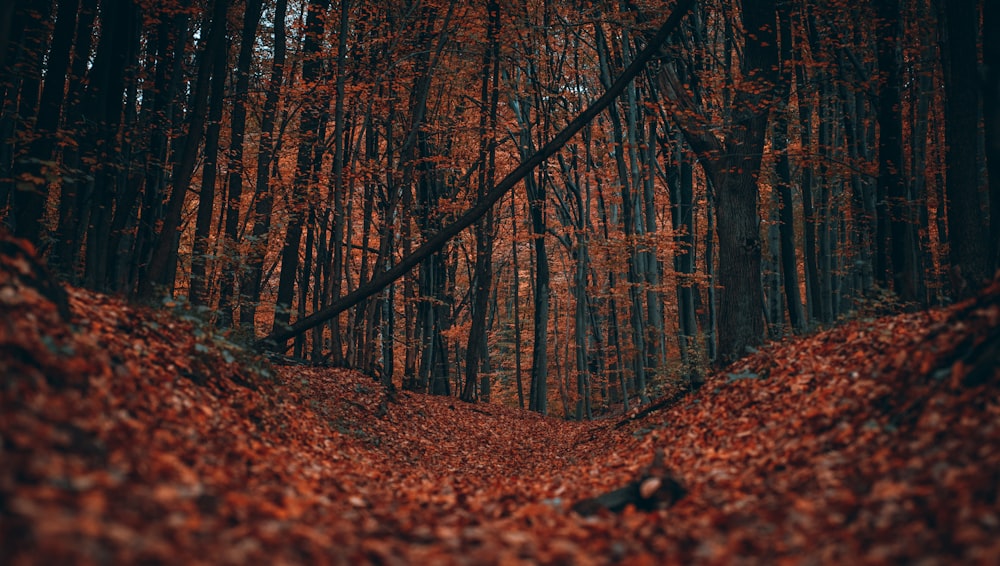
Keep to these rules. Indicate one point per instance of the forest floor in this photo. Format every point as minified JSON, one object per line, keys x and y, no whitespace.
{"x":134,"y":435}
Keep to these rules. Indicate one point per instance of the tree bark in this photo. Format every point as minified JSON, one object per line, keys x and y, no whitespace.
{"x":29,"y":201}
{"x":199,"y":290}
{"x":971,"y":251}
{"x":991,"y":116}
{"x":105,"y":105}
{"x":251,"y":284}
{"x":892,"y":187}
{"x":484,"y":227}
{"x":309,"y":124}
{"x":786,"y":229}
{"x":164,"y":260}
{"x":228,"y":288}
{"x":732,"y":166}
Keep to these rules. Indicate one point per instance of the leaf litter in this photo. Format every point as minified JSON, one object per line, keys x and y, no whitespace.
{"x":129,"y":435}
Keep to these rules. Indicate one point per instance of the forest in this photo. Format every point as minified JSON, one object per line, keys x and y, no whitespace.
{"x":573,"y":207}
{"x":499,"y":282}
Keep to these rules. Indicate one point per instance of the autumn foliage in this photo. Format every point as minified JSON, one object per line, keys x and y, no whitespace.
{"x":134,"y":435}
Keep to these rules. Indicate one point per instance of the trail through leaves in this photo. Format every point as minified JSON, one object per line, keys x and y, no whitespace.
{"x":130,"y":435}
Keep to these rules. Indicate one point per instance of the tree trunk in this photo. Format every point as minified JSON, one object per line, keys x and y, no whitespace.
{"x":199,"y":291}
{"x":538,"y":399}
{"x":29,"y":202}
{"x":309,"y":124}
{"x":164,"y":260}
{"x":231,"y":261}
{"x":991,"y":116}
{"x":28,"y":198}
{"x":484,"y":227}
{"x":251,"y":283}
{"x":732,"y":166}
{"x":106,"y":88}
{"x":516,"y":268}
{"x":337,"y":269}
{"x":683,"y":212}
{"x":783,"y":170}
{"x":970,"y":247}
{"x":890,"y":146}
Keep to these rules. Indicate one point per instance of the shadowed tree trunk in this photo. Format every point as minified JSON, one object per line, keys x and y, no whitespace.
{"x":732,"y":165}
{"x":991,"y":115}
{"x":893,"y":191}
{"x":786,"y":206}
{"x":164,"y":260}
{"x":309,"y":124}
{"x":72,"y":214}
{"x":231,"y":262}
{"x":970,"y":247}
{"x":250,"y":286}
{"x":489,"y":97}
{"x":29,"y":199}
{"x":199,"y":290}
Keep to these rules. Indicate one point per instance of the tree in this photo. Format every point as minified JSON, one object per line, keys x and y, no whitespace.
{"x":309,"y":124}
{"x":198,"y":291}
{"x":780,"y":139}
{"x":234,"y":183}
{"x":164,"y":258}
{"x":893,"y":196}
{"x":489,"y":100}
{"x":732,"y":164}
{"x":991,"y":113}
{"x":971,"y":248}
{"x":264,"y":200}
{"x":30,"y":197}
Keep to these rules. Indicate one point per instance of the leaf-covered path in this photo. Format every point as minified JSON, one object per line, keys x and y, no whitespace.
{"x":128,"y":435}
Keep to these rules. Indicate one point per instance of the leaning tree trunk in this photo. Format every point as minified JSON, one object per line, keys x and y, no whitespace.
{"x":467,"y":218}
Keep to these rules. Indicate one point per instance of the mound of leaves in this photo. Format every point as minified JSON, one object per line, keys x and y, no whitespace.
{"x":130,"y":435}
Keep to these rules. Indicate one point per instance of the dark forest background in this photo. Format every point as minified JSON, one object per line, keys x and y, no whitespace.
{"x":776,"y":166}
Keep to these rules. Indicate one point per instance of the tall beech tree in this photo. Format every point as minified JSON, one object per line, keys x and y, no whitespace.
{"x":163,"y":264}
{"x":970,"y":246}
{"x":732,"y":163}
{"x":234,"y":182}
{"x":991,"y":114}
{"x":309,"y":124}
{"x":489,"y":99}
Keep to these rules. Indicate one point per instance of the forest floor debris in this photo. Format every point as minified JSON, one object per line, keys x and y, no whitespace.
{"x":133,"y":435}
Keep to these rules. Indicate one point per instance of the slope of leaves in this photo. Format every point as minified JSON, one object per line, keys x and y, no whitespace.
{"x":129,"y":435}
